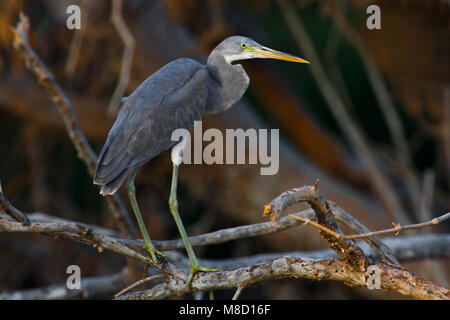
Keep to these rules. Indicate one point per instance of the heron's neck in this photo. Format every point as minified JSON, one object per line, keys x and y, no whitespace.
{"x":227,"y":83}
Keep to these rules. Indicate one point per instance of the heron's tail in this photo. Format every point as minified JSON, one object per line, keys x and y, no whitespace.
{"x":111,"y":187}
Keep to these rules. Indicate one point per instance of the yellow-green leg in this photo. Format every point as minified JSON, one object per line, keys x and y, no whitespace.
{"x":131,"y":191}
{"x":173,"y":204}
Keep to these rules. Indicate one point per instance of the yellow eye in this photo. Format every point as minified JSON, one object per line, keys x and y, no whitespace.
{"x":243,"y":45}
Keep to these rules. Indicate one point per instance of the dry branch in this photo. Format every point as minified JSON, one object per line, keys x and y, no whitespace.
{"x":329,"y":210}
{"x":84,"y":150}
{"x":351,"y":269}
{"x":127,"y":57}
{"x":446,"y":129}
{"x":238,"y":293}
{"x":138,"y":283}
{"x":49,"y":224}
{"x":347,"y":250}
{"x":405,"y":248}
{"x":375,"y":243}
{"x":392,"y":278}
{"x":353,"y":133}
{"x":80,"y":233}
{"x":12,"y":211}
{"x":397,"y":228}
{"x":77,"y":40}
{"x":379,"y":87}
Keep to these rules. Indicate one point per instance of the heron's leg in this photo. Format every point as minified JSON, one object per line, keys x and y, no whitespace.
{"x":173,"y":204}
{"x":149,"y":247}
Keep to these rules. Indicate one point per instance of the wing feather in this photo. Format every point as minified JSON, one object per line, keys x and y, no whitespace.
{"x":172,"y":98}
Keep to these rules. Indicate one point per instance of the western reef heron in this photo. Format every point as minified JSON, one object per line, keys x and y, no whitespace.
{"x":174,"y":97}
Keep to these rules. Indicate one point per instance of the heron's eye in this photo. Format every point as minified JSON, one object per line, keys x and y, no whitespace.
{"x":243,"y":45}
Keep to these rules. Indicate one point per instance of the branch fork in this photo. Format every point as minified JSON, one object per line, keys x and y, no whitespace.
{"x":350,"y":269}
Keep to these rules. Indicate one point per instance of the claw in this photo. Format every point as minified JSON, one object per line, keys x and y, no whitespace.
{"x":196,"y":268}
{"x":153,"y":253}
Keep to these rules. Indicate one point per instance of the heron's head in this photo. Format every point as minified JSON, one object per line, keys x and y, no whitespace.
{"x":242,"y":48}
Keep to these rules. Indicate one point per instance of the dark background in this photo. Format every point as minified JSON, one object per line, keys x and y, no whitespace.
{"x":40,"y":172}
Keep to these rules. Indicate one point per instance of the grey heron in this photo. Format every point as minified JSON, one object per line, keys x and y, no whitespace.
{"x":175,"y":96}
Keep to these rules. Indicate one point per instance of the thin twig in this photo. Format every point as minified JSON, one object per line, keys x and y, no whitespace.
{"x":382,"y":95}
{"x":355,"y":226}
{"x":396,"y":230}
{"x":318,"y":226}
{"x":329,"y":55}
{"x":46,"y":78}
{"x":12,"y":211}
{"x":434,"y":268}
{"x":138,"y":283}
{"x":238,"y":293}
{"x":79,"y":140}
{"x":426,"y":198}
{"x":446,"y":129}
{"x":337,"y":107}
{"x":75,"y":45}
{"x":127,"y":58}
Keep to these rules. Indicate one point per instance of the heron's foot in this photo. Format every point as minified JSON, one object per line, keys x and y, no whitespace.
{"x":196,"y":268}
{"x":154,"y":253}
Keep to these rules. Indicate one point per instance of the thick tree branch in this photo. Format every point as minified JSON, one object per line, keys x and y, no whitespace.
{"x":47,"y":222}
{"x":404,"y":248}
{"x":346,"y":249}
{"x":392,"y":278}
{"x":375,"y":243}
{"x":352,"y":269}
{"x":240,"y":232}
{"x":224,"y":235}
{"x":428,"y":246}
{"x":329,"y":209}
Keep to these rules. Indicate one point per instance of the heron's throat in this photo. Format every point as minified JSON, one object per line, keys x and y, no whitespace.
{"x":227,"y":83}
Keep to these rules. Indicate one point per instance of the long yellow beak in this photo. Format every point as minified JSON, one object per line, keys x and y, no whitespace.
{"x":273,"y":54}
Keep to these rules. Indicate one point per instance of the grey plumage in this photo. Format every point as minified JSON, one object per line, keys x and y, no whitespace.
{"x":174,"y":97}
{"x":147,"y":119}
